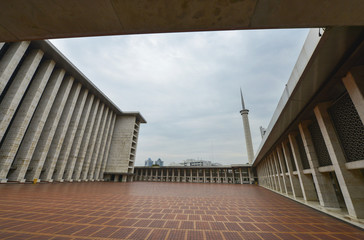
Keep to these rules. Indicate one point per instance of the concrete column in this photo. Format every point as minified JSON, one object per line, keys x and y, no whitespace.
{"x":35,"y":128}
{"x":173,"y":175}
{"x":68,"y":142}
{"x":269,"y":177}
{"x":1,"y":45}
{"x":296,"y":189}
{"x":167,"y":175}
{"x":204,"y":175}
{"x":197,"y":175}
{"x":107,"y":148}
{"x":191,"y":175}
{"x":272,"y":173}
{"x":225,"y":178}
{"x":179,"y":175}
{"x":285,"y":179}
{"x":277,"y":170}
{"x":16,"y":91}
{"x":96,"y":150}
{"x":218,"y":176}
{"x":211,"y":177}
{"x":354,"y":84}
{"x":162,"y":175}
{"x":21,"y":120}
{"x":10,"y":61}
{"x":80,"y":161}
{"x":350,"y":181}
{"x":91,"y":144}
{"x":103,"y":146}
{"x":59,"y":136}
{"x":78,"y":138}
{"x":323,"y":184}
{"x":184,"y":175}
{"x":241,"y":176}
{"x":49,"y":129}
{"x":308,"y":189}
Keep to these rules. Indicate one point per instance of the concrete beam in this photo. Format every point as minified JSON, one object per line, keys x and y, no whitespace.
{"x":33,"y":19}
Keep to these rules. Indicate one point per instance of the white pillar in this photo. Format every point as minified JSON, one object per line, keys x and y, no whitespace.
{"x":323,"y":184}
{"x":16,"y":91}
{"x":37,"y":123}
{"x":49,"y":129}
{"x":78,"y":138}
{"x":91,"y":145}
{"x":285,"y":179}
{"x":307,"y":187}
{"x":68,"y":142}
{"x":296,"y":189}
{"x":241,"y":176}
{"x":80,"y":161}
{"x":350,"y":181}
{"x":95,"y":154}
{"x":59,"y":136}
{"x":10,"y":61}
{"x":107,"y":148}
{"x":354,"y":84}
{"x":21,"y":121}
{"x":103,"y":146}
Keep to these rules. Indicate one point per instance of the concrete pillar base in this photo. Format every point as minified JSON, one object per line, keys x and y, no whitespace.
{"x":61,"y":180}
{"x":3,"y":180}
{"x":50,"y":180}
{"x":21,"y":181}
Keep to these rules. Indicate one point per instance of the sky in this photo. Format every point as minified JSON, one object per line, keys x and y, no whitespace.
{"x":186,"y":85}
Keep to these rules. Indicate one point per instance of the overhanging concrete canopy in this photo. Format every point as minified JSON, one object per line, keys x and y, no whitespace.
{"x":35,"y":19}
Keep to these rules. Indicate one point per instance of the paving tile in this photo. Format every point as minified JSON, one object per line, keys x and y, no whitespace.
{"x":143,"y":210}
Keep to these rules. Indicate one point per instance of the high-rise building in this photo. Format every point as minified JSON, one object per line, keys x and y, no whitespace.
{"x":159,"y":162}
{"x":148,"y":162}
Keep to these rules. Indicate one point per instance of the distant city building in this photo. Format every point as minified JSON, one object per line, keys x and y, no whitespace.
{"x":159,"y":162}
{"x":194,"y":163}
{"x":149,"y":162}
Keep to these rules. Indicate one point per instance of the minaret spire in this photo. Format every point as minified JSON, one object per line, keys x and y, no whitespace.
{"x":242,"y":99}
{"x":248,"y":138}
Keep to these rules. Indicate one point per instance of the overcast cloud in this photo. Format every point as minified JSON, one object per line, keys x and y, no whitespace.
{"x":186,"y":85}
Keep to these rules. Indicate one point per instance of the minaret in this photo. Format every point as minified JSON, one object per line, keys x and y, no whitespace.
{"x":248,"y":138}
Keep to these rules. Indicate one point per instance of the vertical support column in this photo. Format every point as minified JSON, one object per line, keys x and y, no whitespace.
{"x":80,"y":158}
{"x":204,"y":175}
{"x":270,"y":169}
{"x":241,"y":176}
{"x":296,"y":190}
{"x":45,"y":140}
{"x":173,"y":175}
{"x":35,"y":128}
{"x":162,"y":177}
{"x":91,"y":145}
{"x":285,"y":179}
{"x":167,"y":179}
{"x":350,"y":181}
{"x":354,"y":84}
{"x":211,"y":177}
{"x":308,"y":189}
{"x":233,"y":175}
{"x":103,"y":146}
{"x":324,"y":188}
{"x":218,"y":176}
{"x":21,"y":120}
{"x":64,"y":153}
{"x":277,"y":170}
{"x":197,"y":175}
{"x":10,"y":61}
{"x":59,"y":136}
{"x":184,"y":175}
{"x":225,"y":178}
{"x":95,"y":153}
{"x":191,"y":175}
{"x":78,"y":138}
{"x":179,"y":175}
{"x":146,"y":174}
{"x":14,"y":94}
{"x":107,"y":148}
{"x":156,"y":174}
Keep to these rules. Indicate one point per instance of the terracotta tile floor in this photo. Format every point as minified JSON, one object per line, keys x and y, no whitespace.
{"x":172,"y":211}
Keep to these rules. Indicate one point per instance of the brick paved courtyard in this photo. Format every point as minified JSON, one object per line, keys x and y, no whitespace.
{"x":172,"y":211}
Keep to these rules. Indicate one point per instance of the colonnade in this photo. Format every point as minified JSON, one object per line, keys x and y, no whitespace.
{"x":321,"y":158}
{"x":236,"y":175}
{"x":54,"y":124}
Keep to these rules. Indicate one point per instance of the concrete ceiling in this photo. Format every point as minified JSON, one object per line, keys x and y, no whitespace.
{"x":44,"y":19}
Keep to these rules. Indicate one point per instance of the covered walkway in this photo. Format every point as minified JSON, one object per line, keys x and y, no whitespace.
{"x":158,"y":210}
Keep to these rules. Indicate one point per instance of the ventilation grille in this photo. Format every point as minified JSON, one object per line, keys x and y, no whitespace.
{"x":349,"y":128}
{"x":319,"y":144}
